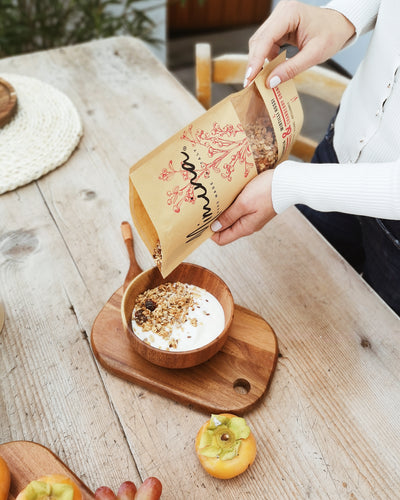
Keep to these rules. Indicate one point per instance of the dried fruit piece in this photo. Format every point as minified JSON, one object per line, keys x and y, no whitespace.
{"x":150,"y":304}
{"x":172,"y":304}
{"x":140,"y":317}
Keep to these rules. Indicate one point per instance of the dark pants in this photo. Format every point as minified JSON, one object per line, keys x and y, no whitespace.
{"x":371,"y":246}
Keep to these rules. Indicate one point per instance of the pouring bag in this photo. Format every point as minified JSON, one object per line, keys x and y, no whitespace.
{"x":181,"y":187}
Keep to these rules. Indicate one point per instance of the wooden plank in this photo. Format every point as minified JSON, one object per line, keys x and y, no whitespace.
{"x":229,"y":68}
{"x":203,"y":74}
{"x":304,"y":148}
{"x":51,"y":390}
{"x":2,"y":316}
{"x":42,"y":285}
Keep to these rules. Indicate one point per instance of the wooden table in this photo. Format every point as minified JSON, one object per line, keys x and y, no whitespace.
{"x":329,"y":425}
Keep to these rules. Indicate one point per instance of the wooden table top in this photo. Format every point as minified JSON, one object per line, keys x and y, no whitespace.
{"x":328,"y":427}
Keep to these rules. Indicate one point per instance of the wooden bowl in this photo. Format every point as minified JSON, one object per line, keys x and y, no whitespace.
{"x":185,"y":273}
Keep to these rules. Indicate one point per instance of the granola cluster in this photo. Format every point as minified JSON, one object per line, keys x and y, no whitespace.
{"x":162,"y":309}
{"x":263,"y":145}
{"x":157,"y":255}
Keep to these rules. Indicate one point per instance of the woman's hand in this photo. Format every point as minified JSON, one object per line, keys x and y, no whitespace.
{"x":251,"y":210}
{"x":317,"y":32}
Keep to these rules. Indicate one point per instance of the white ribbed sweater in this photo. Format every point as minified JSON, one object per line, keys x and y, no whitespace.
{"x":367,"y":129}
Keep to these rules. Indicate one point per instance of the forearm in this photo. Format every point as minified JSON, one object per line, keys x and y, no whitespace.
{"x":371,"y":189}
{"x":361,"y":13}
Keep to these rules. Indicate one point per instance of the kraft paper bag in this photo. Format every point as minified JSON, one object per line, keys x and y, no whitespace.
{"x":181,"y":187}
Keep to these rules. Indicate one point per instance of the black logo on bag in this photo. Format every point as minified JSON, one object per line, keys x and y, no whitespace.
{"x":201,"y":192}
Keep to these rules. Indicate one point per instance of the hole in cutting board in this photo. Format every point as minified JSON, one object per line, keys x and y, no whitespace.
{"x":242,"y":386}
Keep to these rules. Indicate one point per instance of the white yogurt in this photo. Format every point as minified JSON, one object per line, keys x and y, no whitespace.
{"x":210,"y":318}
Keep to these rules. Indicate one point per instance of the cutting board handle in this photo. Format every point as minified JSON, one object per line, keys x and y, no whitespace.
{"x":134,"y":269}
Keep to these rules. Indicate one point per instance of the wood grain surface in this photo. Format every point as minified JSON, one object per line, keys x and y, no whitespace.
{"x":29,"y":461}
{"x":328,"y":426}
{"x":2,"y":316}
{"x":233,"y":380}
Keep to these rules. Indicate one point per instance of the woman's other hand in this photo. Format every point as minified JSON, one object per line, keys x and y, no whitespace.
{"x":251,"y":210}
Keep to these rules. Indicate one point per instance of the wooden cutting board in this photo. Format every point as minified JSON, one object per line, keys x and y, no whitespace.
{"x":234,"y":380}
{"x":8,"y":102}
{"x":28,"y":461}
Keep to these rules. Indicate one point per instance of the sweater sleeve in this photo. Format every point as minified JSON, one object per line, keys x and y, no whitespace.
{"x":362,"y":13}
{"x":371,"y":189}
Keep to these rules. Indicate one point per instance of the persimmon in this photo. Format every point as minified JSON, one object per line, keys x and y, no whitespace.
{"x":5,"y":479}
{"x":225,"y":446}
{"x":51,"y":487}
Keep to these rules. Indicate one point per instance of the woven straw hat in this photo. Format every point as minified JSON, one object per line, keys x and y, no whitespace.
{"x":43,"y":130}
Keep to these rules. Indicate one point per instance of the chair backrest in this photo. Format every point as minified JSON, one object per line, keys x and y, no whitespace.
{"x":319,"y":82}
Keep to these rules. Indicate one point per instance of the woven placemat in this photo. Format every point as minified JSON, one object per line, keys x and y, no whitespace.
{"x":40,"y":137}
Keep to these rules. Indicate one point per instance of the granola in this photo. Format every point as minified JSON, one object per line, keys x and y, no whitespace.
{"x":163,"y":308}
{"x":177,"y":316}
{"x":261,"y":136}
{"x":157,"y":255}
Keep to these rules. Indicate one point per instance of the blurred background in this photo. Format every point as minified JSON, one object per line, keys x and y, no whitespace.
{"x":171,"y":28}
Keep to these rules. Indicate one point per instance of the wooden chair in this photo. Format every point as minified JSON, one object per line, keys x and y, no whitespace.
{"x":319,"y":82}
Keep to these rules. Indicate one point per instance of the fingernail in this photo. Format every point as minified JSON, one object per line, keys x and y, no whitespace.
{"x":216,"y":226}
{"x":275,"y":80}
{"x":246,"y":76}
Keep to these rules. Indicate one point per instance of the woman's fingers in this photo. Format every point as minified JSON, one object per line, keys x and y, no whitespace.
{"x":267,"y":40}
{"x":251,"y":210}
{"x":232,"y":233}
{"x":295,"y":65}
{"x":317,"y":32}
